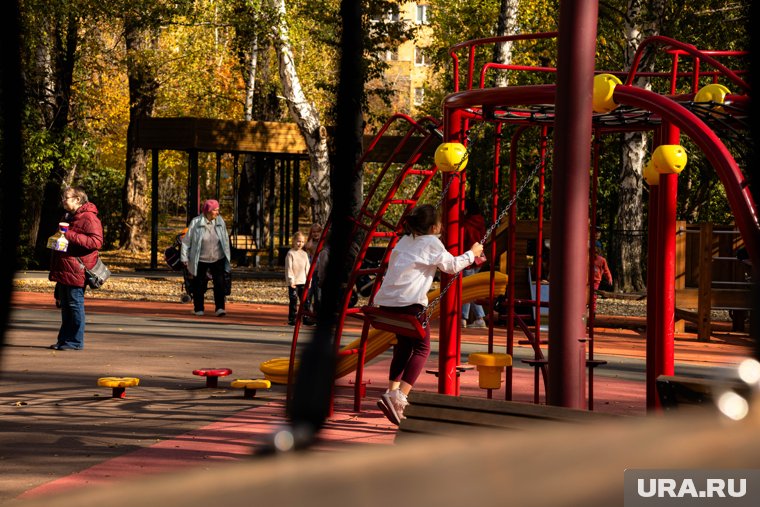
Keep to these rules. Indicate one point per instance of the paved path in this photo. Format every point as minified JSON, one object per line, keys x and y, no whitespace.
{"x":58,"y":430}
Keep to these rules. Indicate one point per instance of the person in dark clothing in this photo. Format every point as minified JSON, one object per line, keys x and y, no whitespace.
{"x":474,"y":226}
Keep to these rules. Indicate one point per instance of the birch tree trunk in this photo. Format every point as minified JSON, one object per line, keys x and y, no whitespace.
{"x":502,"y":52}
{"x":143,"y":87}
{"x":250,"y":85}
{"x":250,"y":213}
{"x":306,"y":117}
{"x":639,"y":22}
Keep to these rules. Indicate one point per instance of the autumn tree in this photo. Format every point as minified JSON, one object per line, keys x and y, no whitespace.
{"x":506,"y":25}
{"x":50,"y":51}
{"x":636,"y":20}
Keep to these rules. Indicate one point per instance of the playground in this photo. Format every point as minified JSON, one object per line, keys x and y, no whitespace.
{"x":689,"y":102}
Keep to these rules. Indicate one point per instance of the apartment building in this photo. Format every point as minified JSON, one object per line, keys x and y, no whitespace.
{"x":409,"y":67}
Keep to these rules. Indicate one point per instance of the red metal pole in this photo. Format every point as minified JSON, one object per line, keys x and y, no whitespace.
{"x":450,"y":312}
{"x":460,"y":241}
{"x":540,"y":229}
{"x":653,"y":302}
{"x":666,"y":269}
{"x":492,"y":239}
{"x":511,"y":242}
{"x":570,"y":192}
{"x":591,"y":259}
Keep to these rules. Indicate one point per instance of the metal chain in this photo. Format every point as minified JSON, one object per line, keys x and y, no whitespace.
{"x":428,"y":311}
{"x":520,"y":190}
{"x":456,"y":177}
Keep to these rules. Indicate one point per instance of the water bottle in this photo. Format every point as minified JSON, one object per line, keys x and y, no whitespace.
{"x":58,"y":241}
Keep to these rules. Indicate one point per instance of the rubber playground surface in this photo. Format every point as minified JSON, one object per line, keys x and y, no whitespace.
{"x":60,"y":431}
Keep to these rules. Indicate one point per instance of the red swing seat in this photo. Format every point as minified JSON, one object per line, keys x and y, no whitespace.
{"x":404,"y":324}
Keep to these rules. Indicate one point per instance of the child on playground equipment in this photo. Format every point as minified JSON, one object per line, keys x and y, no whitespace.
{"x":474,"y":228}
{"x":600,"y":270}
{"x":296,"y":269}
{"x":411,"y":268}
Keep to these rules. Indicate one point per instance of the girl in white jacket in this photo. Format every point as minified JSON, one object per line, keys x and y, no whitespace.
{"x":411,"y":269}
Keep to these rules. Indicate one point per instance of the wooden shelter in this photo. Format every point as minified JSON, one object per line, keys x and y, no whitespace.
{"x":275,"y":146}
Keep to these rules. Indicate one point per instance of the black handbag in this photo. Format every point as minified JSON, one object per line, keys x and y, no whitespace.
{"x":97,"y":276}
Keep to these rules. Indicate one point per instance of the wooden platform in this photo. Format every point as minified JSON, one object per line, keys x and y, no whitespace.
{"x":438,"y":414}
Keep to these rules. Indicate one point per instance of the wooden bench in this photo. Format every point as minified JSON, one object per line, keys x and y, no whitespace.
{"x":438,"y":414}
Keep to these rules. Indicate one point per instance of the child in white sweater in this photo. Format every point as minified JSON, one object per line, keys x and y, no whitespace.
{"x":296,"y":270}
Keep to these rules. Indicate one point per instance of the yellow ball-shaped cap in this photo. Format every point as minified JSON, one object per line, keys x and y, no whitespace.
{"x":604,"y":87}
{"x":451,"y":157}
{"x":669,"y":159}
{"x":713,"y":92}
{"x":651,"y":176}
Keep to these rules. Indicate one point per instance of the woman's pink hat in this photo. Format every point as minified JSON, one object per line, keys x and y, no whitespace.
{"x":209,"y":205}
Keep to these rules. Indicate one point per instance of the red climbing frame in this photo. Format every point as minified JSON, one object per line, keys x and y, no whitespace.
{"x":519,"y":108}
{"x":409,"y":182}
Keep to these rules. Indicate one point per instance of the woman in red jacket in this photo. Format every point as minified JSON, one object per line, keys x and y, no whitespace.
{"x":85,"y":237}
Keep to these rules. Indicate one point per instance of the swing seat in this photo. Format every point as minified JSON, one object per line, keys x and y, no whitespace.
{"x":398,"y":323}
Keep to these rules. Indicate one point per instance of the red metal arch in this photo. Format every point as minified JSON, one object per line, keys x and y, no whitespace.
{"x":737,"y":191}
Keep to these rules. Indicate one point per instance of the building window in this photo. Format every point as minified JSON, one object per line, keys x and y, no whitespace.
{"x":393,"y":14}
{"x":419,"y":56}
{"x":391,"y":55}
{"x":422,"y":14}
{"x":419,"y":96}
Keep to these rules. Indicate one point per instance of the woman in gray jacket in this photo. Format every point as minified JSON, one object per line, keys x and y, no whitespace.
{"x":206,"y":248}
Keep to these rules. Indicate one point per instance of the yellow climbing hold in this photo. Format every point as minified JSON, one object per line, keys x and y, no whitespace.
{"x":604,"y":87}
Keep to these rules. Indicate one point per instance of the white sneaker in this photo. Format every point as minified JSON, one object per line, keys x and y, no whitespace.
{"x":199,"y":313}
{"x":387,"y":406}
{"x":220,"y":312}
{"x":464,"y":323}
{"x":399,"y":403}
{"x":480,"y":323}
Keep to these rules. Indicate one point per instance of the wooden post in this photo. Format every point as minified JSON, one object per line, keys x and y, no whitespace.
{"x":705,"y":281}
{"x":279,"y":165}
{"x":680,"y":325}
{"x":154,"y":210}
{"x":286,"y":199}
{"x":193,"y":192}
{"x":218,"y":173}
{"x":296,"y":192}
{"x":271,"y":168}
